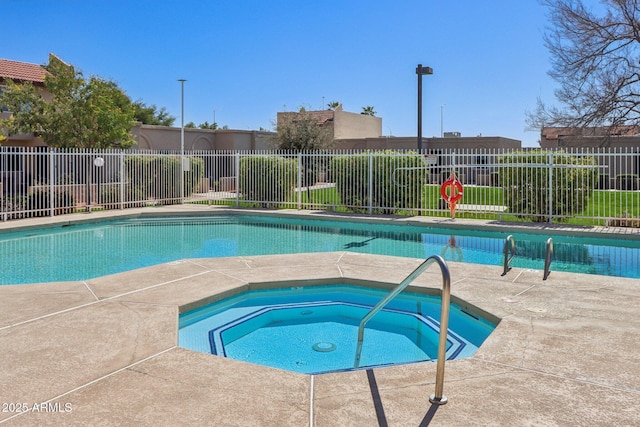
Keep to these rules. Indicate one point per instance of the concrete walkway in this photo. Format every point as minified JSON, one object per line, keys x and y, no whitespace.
{"x":103,"y":351}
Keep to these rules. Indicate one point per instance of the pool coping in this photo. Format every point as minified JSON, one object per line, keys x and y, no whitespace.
{"x":103,"y":351}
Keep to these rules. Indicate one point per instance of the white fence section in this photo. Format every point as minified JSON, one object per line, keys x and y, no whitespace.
{"x":580,"y":186}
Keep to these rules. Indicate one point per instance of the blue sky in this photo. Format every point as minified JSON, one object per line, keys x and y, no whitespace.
{"x":246,"y":60}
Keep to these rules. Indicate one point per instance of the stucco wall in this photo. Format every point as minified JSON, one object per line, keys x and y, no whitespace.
{"x":168,"y":138}
{"x":352,"y":125}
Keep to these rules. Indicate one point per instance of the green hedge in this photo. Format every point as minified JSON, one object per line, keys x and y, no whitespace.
{"x":397,"y":181}
{"x":159,"y":177}
{"x":526,"y":187}
{"x":267,"y":179}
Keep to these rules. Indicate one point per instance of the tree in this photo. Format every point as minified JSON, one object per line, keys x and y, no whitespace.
{"x":368,"y":111}
{"x":207,"y":125}
{"x":77,"y":113}
{"x":333,"y":105}
{"x":150,"y":115}
{"x":596,"y":61}
{"x":301,"y":131}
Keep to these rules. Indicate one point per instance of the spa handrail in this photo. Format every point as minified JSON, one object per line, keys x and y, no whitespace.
{"x":548,"y":258}
{"x":438,"y":397}
{"x":509,"y":247}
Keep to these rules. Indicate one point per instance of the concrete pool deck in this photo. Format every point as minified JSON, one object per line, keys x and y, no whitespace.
{"x":104,"y":351}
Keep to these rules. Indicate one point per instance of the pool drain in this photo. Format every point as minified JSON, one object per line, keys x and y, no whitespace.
{"x":324,"y":347}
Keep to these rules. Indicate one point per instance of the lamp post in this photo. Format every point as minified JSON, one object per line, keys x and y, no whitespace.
{"x":420,"y":71}
{"x":181,"y":139}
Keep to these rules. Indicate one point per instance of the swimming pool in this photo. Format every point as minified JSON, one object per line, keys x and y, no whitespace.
{"x":83,"y":251}
{"x":314,"y":329}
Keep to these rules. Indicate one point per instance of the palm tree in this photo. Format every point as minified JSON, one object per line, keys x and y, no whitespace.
{"x":368,"y":111}
{"x":333,"y":105}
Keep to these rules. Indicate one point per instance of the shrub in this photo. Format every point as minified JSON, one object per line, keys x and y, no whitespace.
{"x":526,"y":188}
{"x":397,"y":178}
{"x":267,"y":179}
{"x":10,"y":206}
{"x":159,"y":177}
{"x":63,"y":202}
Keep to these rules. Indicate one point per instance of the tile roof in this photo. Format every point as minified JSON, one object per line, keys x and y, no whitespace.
{"x":322,"y":116}
{"x":24,"y":71}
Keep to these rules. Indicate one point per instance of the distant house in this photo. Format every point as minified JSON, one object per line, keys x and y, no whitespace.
{"x":21,"y":72}
{"x":592,"y":137}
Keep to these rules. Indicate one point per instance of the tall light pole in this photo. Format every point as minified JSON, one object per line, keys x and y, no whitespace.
{"x":442,"y":121}
{"x":181,"y":139}
{"x":420,"y":71}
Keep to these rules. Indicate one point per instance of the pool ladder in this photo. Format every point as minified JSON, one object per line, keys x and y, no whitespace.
{"x":437,"y":398}
{"x":510,"y":252}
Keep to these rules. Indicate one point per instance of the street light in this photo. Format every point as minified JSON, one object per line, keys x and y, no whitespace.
{"x":181,"y":139}
{"x":420,"y":71}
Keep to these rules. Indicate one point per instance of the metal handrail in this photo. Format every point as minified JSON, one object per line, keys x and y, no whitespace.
{"x":437,"y":397}
{"x":508,"y":248}
{"x":548,"y":257}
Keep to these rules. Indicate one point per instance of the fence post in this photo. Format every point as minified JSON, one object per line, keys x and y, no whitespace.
{"x":300,"y":180}
{"x":237,"y":177}
{"x":549,"y":184}
{"x":122,"y":179}
{"x":453,"y":164}
{"x":52,"y":211}
{"x":370,"y":183}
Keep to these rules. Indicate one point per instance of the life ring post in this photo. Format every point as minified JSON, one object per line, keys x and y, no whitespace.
{"x":454,"y":194}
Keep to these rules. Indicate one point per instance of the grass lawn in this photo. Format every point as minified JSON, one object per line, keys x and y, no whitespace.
{"x":603,"y":204}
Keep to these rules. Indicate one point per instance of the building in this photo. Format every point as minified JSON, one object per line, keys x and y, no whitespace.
{"x":21,"y":72}
{"x":622,"y":141}
{"x":340,"y":124}
{"x":411,"y":143}
{"x":592,"y":137}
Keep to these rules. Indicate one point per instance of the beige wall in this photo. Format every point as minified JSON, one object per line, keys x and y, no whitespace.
{"x":341,"y":124}
{"x":352,"y":125}
{"x":168,"y":138}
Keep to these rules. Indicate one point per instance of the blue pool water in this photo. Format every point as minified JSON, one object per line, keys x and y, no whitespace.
{"x":314,"y":329}
{"x":83,"y":251}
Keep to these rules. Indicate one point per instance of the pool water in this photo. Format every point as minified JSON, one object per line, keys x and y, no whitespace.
{"x":314,"y":329}
{"x":83,"y":251}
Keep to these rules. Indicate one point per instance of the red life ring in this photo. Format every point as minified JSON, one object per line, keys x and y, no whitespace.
{"x":455,"y":195}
